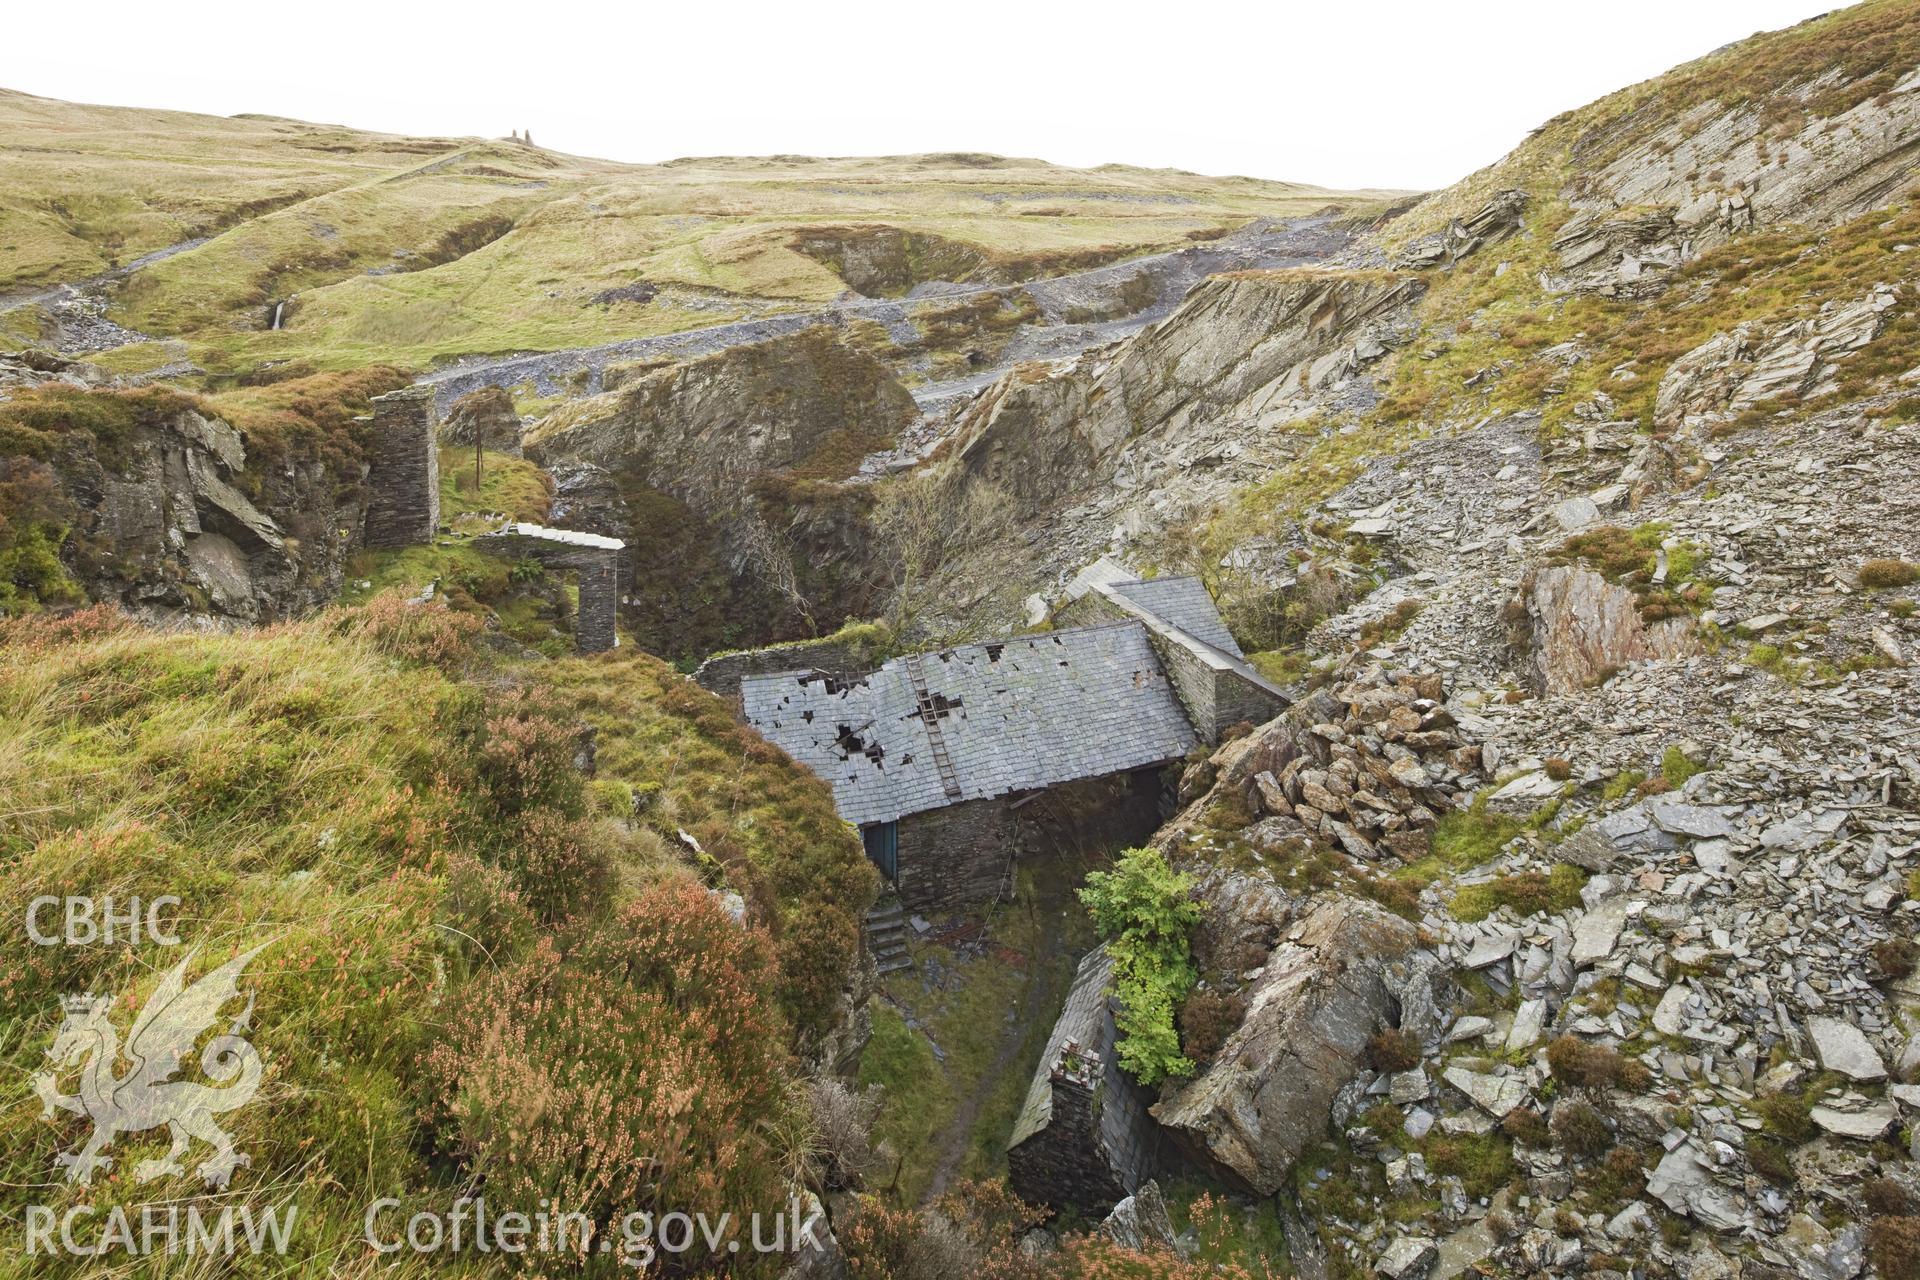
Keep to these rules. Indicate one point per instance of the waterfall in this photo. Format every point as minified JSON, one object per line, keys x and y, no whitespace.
{"x":278,"y":307}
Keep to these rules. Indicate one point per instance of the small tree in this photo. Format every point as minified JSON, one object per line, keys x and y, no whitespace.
{"x":1144,"y":911}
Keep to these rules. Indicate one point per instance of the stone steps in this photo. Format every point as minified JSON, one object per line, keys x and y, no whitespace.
{"x":886,"y":927}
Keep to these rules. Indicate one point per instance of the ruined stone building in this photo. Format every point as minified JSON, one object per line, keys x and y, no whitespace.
{"x":952,"y":763}
{"x":403,"y":510}
{"x":594,"y":559}
{"x":1211,"y":674}
{"x":403,"y":470}
{"x":1084,"y":1139}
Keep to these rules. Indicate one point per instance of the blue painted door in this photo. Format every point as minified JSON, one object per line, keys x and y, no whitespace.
{"x":883,"y":847}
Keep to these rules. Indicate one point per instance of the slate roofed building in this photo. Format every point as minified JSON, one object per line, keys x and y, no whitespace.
{"x":1084,"y":1138}
{"x":937,"y":756}
{"x":932,"y":754}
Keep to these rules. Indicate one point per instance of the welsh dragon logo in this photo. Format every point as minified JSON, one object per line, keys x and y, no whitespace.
{"x":146,"y":1096}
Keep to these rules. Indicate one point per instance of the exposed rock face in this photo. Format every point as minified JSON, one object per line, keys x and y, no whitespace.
{"x":167,"y":528}
{"x":1127,"y":439}
{"x":720,"y":474}
{"x":703,"y":429}
{"x":487,"y":414}
{"x":1733,"y":371}
{"x":1583,"y":627}
{"x":1494,"y":220}
{"x":887,"y":262}
{"x":1268,"y":1092}
{"x":1627,"y":254}
{"x":1723,"y":169}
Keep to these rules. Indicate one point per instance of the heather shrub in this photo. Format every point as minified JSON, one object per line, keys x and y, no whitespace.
{"x":1392,"y":1049}
{"x":1886,"y":1198}
{"x":1878,"y":575}
{"x":558,"y":864}
{"x":1526,"y":1126}
{"x":524,"y":759}
{"x":1207,"y":1018}
{"x":1895,"y":957}
{"x":638,"y":1066}
{"x":1893,"y":1246}
{"x":1595,"y":1066}
{"x":1580,"y":1129}
{"x":427,"y":635}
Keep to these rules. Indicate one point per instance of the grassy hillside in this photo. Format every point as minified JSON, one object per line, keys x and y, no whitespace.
{"x":1500,"y":331}
{"x":407,"y":250}
{"x":443,"y":898}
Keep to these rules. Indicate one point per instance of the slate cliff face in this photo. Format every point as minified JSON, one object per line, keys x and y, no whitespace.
{"x":1129,"y":439}
{"x":724,"y":476}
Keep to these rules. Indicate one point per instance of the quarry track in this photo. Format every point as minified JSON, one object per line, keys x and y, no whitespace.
{"x":1262,"y":244}
{"x":52,"y":292}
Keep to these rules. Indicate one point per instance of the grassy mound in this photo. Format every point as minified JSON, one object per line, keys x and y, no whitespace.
{"x":407,"y":832}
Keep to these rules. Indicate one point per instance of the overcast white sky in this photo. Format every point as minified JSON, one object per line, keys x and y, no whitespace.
{"x":1340,"y":93}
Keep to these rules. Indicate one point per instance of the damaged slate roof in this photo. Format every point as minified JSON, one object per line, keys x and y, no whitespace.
{"x":1083,"y":1022}
{"x":998,"y":718}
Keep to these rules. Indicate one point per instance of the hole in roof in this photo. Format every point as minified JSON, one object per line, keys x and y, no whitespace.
{"x":994,"y":651}
{"x":937,"y":706}
{"x":851,"y":744}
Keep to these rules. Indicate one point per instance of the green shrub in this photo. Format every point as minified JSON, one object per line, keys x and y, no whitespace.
{"x":1526,"y":892}
{"x":1143,"y":910}
{"x":1676,"y":767}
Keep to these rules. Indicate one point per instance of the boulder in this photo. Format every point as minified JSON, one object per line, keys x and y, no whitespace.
{"x":1842,"y":1047}
{"x":1141,"y":1221}
{"x":1269,"y":1090}
{"x":1408,"y":1258}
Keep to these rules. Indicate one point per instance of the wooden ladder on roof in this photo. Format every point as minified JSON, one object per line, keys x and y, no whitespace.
{"x":924,"y":701}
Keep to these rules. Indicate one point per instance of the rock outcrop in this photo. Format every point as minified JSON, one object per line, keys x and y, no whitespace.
{"x":1321,"y":995}
{"x":704,"y":429}
{"x":172,"y":519}
{"x":1580,"y":628}
{"x":1126,"y":440}
{"x":1737,"y":370}
{"x":724,"y":477}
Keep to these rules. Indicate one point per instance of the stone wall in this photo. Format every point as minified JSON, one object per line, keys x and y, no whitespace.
{"x":843,"y":657}
{"x":595,"y":561}
{"x":955,"y":855}
{"x":403,"y":470}
{"x":1084,"y":1138}
{"x":1215,"y":696}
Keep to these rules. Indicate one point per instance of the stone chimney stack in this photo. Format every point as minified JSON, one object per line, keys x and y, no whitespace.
{"x":403,"y":475}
